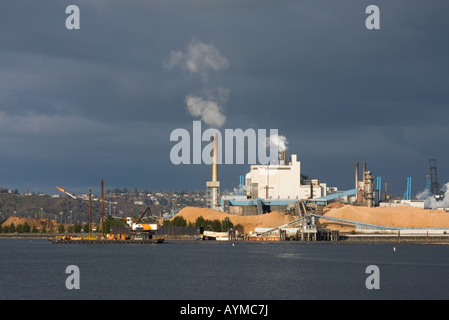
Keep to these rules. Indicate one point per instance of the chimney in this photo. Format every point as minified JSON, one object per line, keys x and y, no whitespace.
{"x":356,"y":175}
{"x":214,"y":157}
{"x":213,"y":187}
{"x":364,"y":170}
{"x":102,"y":210}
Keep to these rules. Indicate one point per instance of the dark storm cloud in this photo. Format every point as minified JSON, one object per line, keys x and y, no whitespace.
{"x":98,"y":102}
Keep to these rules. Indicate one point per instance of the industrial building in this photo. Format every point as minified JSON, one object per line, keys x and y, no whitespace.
{"x":282,"y":186}
{"x":282,"y":181}
{"x":273,"y":187}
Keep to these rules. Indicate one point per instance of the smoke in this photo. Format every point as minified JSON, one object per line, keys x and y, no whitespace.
{"x":423,"y":195}
{"x":208,"y":107}
{"x":278,"y":142}
{"x":432,"y":203}
{"x":199,"y":59}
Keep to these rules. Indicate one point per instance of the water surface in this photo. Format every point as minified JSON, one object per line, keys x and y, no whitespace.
{"x":35,"y":269}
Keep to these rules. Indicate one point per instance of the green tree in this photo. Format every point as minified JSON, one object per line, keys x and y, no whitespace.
{"x":26,"y":228}
{"x":110,"y":222}
{"x":226,"y":224}
{"x":61,"y":228}
{"x":34,"y":229}
{"x":77,"y":227}
{"x":200,"y":222}
{"x":23,"y":228}
{"x":215,"y":225}
{"x":178,"y":221}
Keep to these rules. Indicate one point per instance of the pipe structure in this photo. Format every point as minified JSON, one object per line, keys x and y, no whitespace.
{"x":90,"y":211}
{"x":102,"y":210}
{"x":364,"y":170}
{"x":214,"y":185}
{"x":369,"y":196}
{"x":215,"y":157}
{"x":215,"y":170}
{"x":311,"y":189}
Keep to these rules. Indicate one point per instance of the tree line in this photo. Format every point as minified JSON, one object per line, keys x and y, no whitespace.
{"x":207,"y":224}
{"x":73,"y":228}
{"x":109,"y":222}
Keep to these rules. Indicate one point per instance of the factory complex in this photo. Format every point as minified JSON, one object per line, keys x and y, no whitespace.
{"x":313,"y":207}
{"x":278,"y":202}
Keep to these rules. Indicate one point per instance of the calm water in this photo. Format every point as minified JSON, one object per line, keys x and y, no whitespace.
{"x":213,"y":270}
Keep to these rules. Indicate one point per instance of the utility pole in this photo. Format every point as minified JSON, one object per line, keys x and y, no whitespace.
{"x":90,"y":211}
{"x":102,"y":210}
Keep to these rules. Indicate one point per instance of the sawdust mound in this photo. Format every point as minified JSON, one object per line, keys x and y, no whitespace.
{"x":402,"y":216}
{"x":249,"y":223}
{"x":332,"y":206}
{"x":39,"y":223}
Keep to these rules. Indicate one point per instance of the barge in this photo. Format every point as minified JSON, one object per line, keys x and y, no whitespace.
{"x":81,"y":240}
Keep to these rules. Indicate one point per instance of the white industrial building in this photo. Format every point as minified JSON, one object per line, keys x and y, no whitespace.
{"x":282,"y":181}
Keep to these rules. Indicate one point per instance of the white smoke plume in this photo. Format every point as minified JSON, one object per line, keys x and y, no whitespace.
{"x":198,"y":59}
{"x":423,"y":195}
{"x":208,"y":110}
{"x":432,"y":203}
{"x":279,"y":142}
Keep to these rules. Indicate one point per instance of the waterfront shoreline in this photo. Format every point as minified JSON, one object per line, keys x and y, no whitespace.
{"x":343,"y":239}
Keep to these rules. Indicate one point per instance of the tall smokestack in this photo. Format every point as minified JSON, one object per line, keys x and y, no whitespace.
{"x":356,"y":175}
{"x":214,"y":157}
{"x":364,"y":170}
{"x":102,"y":210}
{"x":90,"y":211}
{"x":213,"y":187}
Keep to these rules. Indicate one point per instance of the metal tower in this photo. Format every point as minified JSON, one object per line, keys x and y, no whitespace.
{"x":408,"y":192}
{"x":427,"y":186}
{"x":434,"y":186}
{"x":379,"y":188}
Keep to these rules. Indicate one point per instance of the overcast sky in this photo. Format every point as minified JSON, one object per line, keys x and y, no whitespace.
{"x":100,"y":102}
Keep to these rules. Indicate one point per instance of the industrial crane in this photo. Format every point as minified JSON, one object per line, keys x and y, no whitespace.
{"x":138,"y":229}
{"x":138,"y":226}
{"x":68,"y":193}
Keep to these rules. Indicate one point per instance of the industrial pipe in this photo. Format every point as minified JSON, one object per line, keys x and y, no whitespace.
{"x":90,"y":211}
{"x":214,"y":157}
{"x":102,"y":210}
